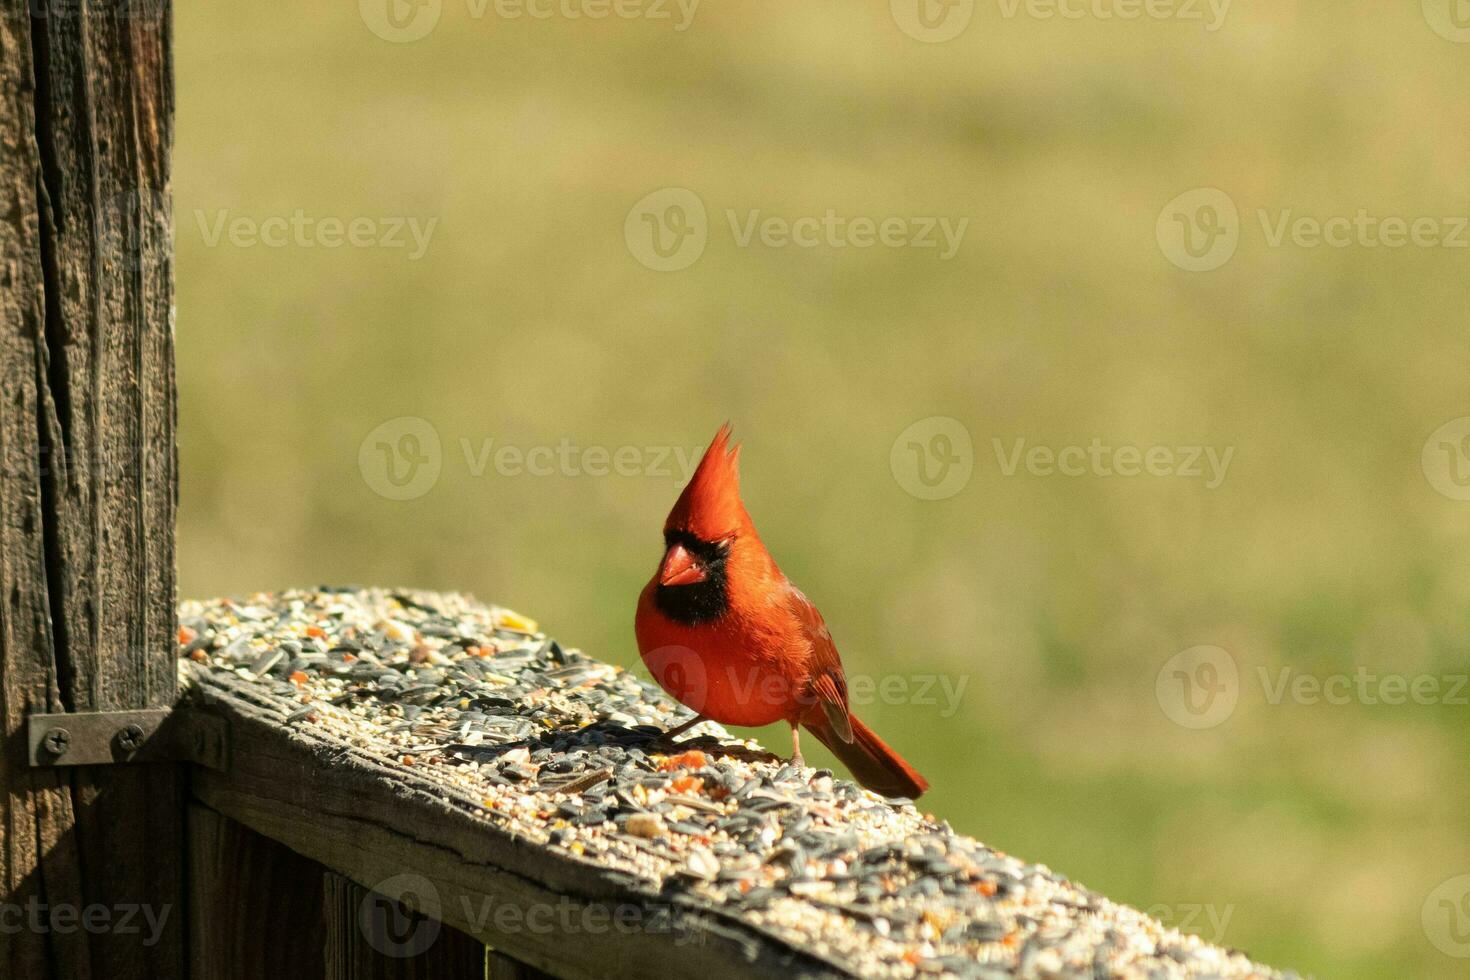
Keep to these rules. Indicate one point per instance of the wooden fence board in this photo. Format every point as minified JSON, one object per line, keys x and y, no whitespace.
{"x":438,"y":751}
{"x":256,"y":908}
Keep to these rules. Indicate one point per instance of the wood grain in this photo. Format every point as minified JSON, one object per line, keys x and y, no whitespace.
{"x":256,"y":908}
{"x":88,"y":486}
{"x":370,"y":937}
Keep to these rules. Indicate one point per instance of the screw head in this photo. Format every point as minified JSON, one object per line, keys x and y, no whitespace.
{"x":130,"y":738}
{"x":57,"y":741}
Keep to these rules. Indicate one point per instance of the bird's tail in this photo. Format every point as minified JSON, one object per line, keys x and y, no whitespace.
{"x":869,"y":758}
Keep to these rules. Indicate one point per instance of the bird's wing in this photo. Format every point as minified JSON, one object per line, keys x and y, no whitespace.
{"x":829,"y":684}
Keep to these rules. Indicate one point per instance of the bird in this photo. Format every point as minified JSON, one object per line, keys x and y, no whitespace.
{"x":725,"y":633}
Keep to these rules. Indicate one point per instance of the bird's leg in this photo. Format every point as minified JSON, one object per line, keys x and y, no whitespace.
{"x":796,"y":759}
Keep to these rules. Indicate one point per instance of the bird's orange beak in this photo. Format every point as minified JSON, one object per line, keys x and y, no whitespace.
{"x":680,"y":568}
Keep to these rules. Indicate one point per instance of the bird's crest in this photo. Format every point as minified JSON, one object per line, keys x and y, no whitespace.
{"x":710,"y":508}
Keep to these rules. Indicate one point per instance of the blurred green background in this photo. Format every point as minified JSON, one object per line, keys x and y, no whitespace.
{"x":1310,"y":834}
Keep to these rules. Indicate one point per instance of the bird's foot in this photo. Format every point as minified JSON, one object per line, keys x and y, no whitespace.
{"x":796,"y":759}
{"x":665,"y":740}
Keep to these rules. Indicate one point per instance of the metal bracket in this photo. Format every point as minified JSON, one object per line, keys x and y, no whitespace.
{"x":95,"y":738}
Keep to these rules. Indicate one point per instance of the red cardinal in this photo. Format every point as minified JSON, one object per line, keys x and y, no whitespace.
{"x":724,"y":632}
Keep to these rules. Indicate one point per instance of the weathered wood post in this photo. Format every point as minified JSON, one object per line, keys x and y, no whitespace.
{"x":90,"y":855}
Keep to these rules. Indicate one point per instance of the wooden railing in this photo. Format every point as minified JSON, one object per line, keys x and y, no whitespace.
{"x":373,"y":784}
{"x":444,"y":754}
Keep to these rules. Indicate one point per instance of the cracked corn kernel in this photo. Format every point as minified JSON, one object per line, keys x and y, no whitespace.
{"x":693,"y":759}
{"x":687,"y":784}
{"x":515,"y":621}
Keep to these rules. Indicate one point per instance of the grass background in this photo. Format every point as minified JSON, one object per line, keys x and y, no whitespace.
{"x":1315,"y":832}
